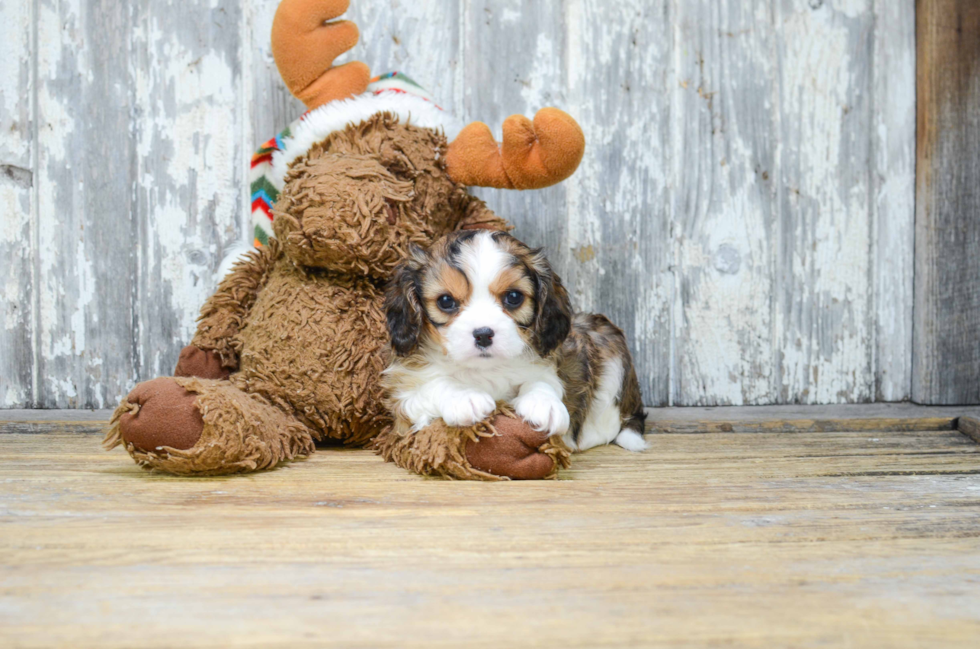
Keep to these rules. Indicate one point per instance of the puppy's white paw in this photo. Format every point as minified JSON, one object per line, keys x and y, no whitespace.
{"x":631,"y":440}
{"x":467,"y":408}
{"x":414,"y":409}
{"x":545,"y":413}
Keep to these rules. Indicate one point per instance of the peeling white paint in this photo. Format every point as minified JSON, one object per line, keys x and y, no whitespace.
{"x":546,"y":67}
{"x":85,"y":292}
{"x":723,"y":211}
{"x":665,"y":226}
{"x":852,"y":8}
{"x":201,"y":146}
{"x":509,"y":15}
{"x":616,"y":239}
{"x":59,"y":68}
{"x":191,"y":172}
{"x":14,"y":214}
{"x":826,"y":345}
{"x":894,"y":198}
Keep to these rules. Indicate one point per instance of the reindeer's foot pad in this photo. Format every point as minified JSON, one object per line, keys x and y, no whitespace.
{"x":516,"y":451}
{"x":501,"y":448}
{"x":190,"y":426}
{"x":161,"y":413}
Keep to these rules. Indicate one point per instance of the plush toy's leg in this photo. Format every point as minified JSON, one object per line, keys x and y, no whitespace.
{"x":192,"y":426}
{"x":202,"y":363}
{"x":500,"y":448}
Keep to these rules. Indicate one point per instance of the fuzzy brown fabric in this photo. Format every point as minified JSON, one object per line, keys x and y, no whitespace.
{"x":315,"y":345}
{"x":440,"y":450}
{"x":202,"y":363}
{"x":300,"y":325}
{"x":242,"y":432}
{"x":359,"y":199}
{"x":225,"y":313}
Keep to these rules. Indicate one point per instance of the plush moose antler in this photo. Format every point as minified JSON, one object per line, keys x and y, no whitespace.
{"x":305,"y":46}
{"x":533,"y":155}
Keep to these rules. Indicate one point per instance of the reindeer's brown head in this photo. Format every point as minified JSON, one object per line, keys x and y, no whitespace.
{"x":368,"y":174}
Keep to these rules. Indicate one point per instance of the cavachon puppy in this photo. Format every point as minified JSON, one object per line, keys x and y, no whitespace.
{"x":480,"y":318}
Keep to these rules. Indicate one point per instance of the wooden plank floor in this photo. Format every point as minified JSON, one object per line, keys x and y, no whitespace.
{"x":866,"y":538}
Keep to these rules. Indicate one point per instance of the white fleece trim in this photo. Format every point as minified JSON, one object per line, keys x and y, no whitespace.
{"x":337,"y":115}
{"x":234,"y":255}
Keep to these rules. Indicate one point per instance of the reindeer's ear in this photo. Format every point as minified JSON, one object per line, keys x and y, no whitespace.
{"x":403,"y":306}
{"x":553,"y":320}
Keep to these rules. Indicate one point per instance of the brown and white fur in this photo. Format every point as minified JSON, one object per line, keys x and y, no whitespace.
{"x":481,"y":318}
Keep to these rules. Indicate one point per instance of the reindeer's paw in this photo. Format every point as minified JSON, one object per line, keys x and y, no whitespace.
{"x":513,"y":453}
{"x":167,"y":415}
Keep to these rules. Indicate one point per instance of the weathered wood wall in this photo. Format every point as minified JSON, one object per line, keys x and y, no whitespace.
{"x":947,"y":254}
{"x":745,"y":210}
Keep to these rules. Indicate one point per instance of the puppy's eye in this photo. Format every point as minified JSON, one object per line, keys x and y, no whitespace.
{"x":513,"y":299}
{"x":446,"y":303}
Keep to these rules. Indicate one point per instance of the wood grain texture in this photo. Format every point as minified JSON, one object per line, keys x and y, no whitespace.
{"x":16,"y":205}
{"x":421,"y":39}
{"x":808,"y":419}
{"x":191,"y":154}
{"x":615,"y":255}
{"x":724,"y":226}
{"x":743,"y":211}
{"x":824,"y":320}
{"x":140,"y":175}
{"x":946,"y":357}
{"x":893,"y":196}
{"x":706,"y":540}
{"x":85,"y":173}
{"x":885,"y":417}
{"x":970,"y":426}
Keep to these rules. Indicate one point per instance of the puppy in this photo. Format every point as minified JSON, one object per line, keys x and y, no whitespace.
{"x":481,"y":318}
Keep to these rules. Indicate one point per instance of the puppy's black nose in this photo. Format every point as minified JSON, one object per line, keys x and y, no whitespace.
{"x":484,"y":337}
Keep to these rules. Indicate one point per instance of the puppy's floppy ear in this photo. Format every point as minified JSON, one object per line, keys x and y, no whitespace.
{"x":553,"y":320}
{"x":403,"y":307}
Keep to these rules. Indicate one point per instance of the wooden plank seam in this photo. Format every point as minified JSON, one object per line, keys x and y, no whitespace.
{"x":969,"y":427}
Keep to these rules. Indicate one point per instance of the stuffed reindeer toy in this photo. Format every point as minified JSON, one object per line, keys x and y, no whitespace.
{"x":291,"y":348}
